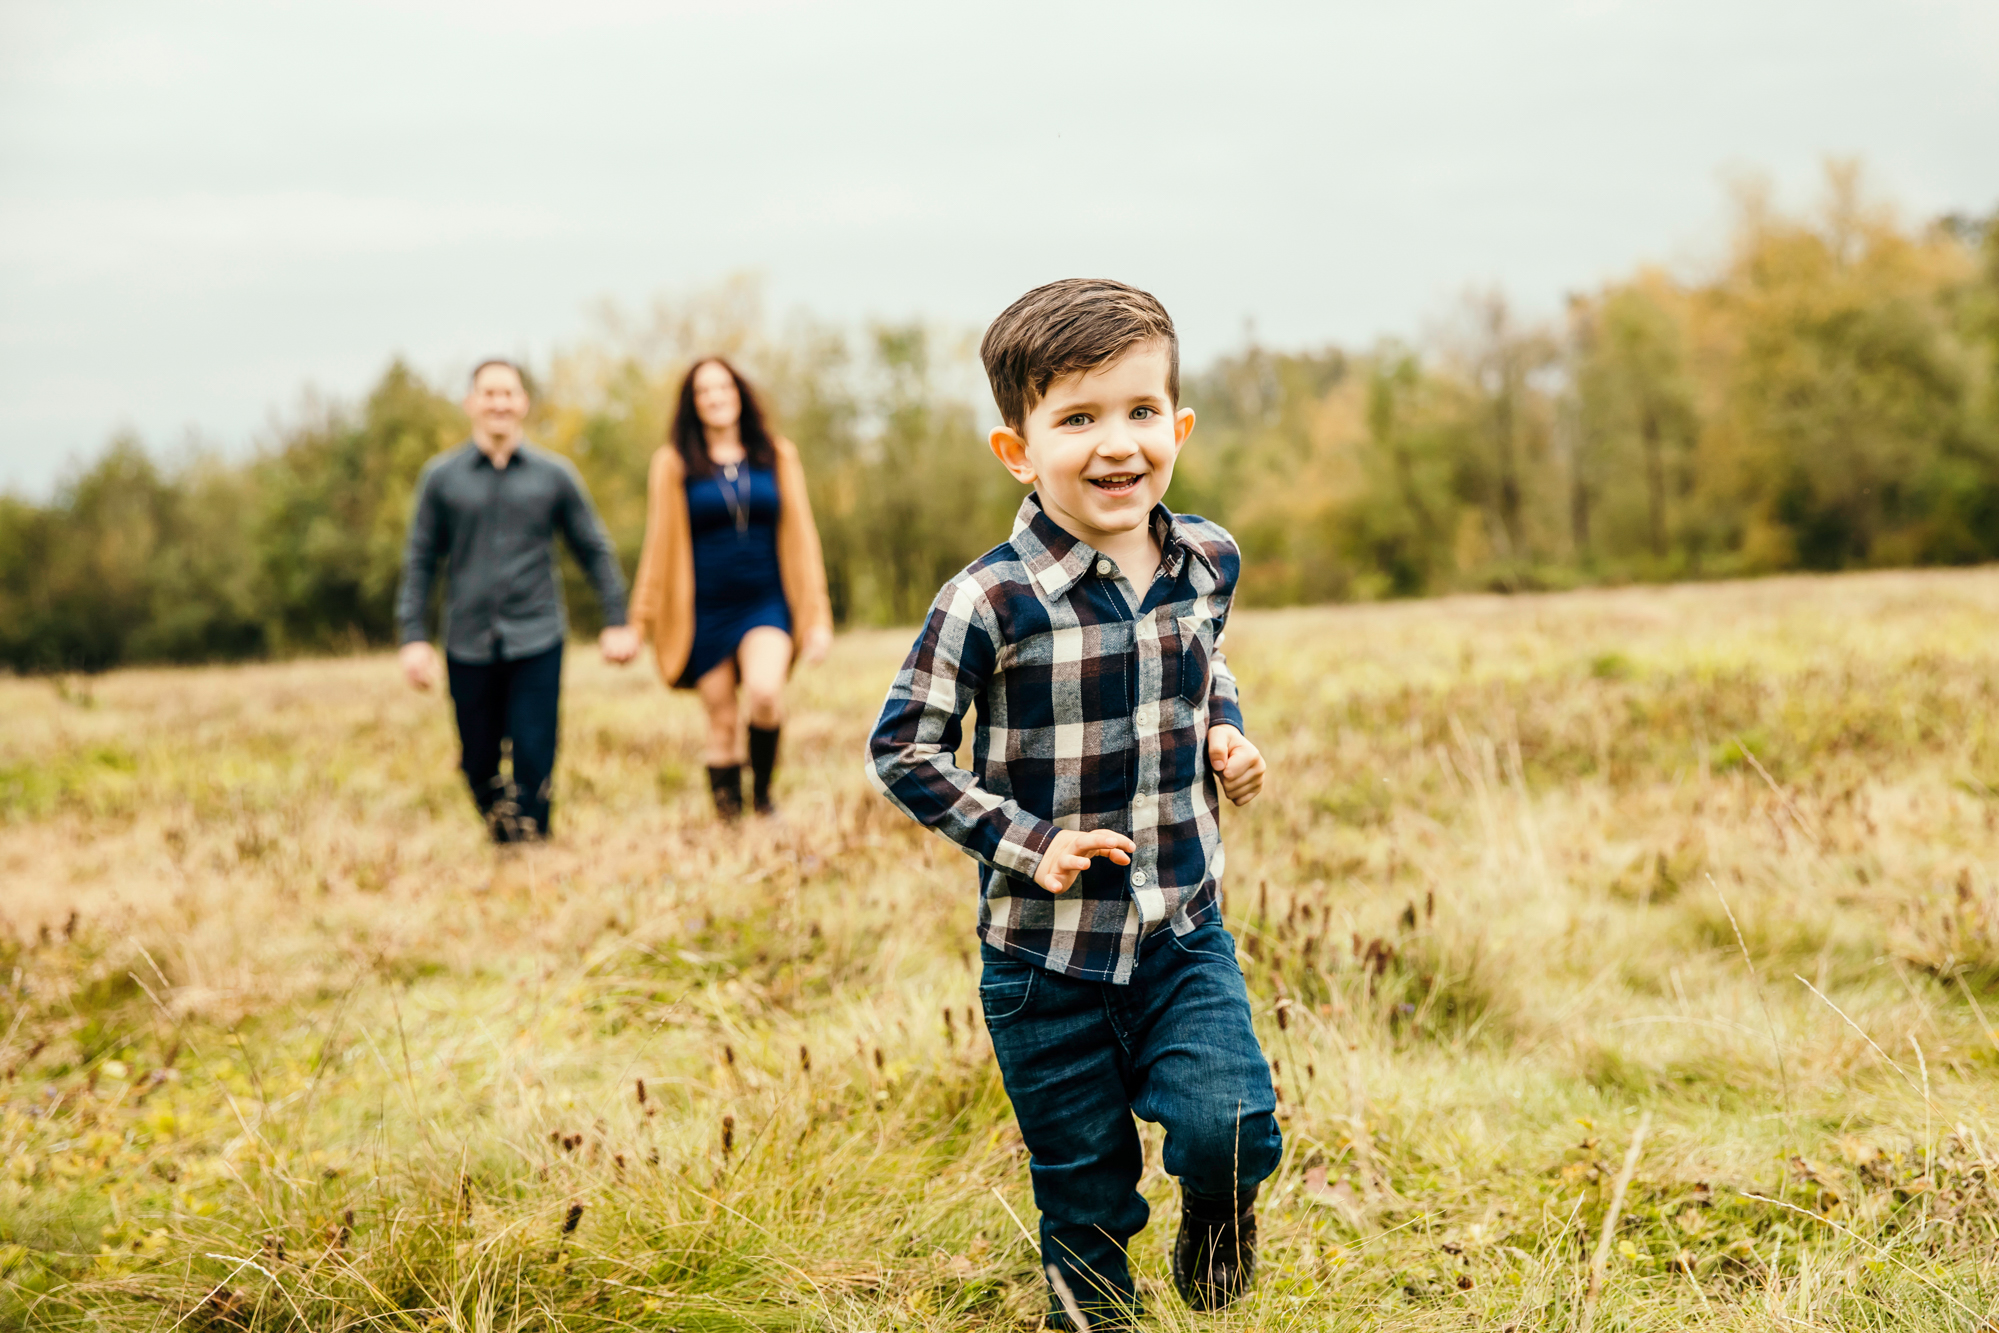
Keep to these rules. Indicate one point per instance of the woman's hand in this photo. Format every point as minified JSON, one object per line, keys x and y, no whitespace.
{"x":1069,"y":856}
{"x":818,"y":640}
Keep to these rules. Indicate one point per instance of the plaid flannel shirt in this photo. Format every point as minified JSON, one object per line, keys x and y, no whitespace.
{"x":1094,"y":702}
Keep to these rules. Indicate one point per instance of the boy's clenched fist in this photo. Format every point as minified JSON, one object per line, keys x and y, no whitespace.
{"x":1236,"y":762}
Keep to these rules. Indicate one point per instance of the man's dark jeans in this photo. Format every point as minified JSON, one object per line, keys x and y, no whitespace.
{"x":1080,"y":1058}
{"x":512,"y":701}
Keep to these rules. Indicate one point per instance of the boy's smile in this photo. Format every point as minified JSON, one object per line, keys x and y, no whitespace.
{"x":1122,"y":483}
{"x":1099,"y":448}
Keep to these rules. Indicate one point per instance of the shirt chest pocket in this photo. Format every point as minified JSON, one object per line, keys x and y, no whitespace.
{"x":527,"y":504}
{"x":1197,"y":635}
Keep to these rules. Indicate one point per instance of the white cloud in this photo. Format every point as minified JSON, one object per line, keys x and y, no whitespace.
{"x":541,"y":18}
{"x":128,"y":60}
{"x":66,"y":239}
{"x":850,"y":207}
{"x":204,"y":203}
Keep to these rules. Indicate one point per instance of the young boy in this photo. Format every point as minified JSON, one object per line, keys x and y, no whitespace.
{"x":1090,"y":643}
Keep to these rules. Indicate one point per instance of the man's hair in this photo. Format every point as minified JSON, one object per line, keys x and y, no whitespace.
{"x":1063,"y":327}
{"x":514,"y":366}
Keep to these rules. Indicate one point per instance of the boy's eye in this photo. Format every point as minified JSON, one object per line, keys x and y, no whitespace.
{"x":1076,"y":419}
{"x":1143,"y":413}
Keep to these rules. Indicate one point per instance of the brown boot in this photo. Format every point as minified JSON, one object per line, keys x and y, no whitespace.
{"x":1214,"y":1256}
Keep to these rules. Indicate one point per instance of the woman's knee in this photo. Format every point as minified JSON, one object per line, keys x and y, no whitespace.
{"x":765,"y":701}
{"x":722,"y":718}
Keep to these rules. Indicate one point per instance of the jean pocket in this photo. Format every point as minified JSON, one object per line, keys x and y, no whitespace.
{"x":1210,"y":943}
{"x":1004,"y":991}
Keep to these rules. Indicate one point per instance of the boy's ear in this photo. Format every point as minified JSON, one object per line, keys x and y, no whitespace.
{"x":1183,"y":425}
{"x":1011,"y":450}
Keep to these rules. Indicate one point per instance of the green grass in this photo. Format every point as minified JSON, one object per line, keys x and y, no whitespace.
{"x":284,"y":1046}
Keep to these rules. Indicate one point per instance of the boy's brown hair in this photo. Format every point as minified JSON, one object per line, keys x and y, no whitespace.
{"x":1067,"y":326}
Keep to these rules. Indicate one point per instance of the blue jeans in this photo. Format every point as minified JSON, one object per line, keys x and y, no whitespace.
{"x":511,"y":700}
{"x":1081,"y":1058}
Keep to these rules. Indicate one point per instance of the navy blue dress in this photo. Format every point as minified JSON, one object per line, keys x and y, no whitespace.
{"x":737,"y":587}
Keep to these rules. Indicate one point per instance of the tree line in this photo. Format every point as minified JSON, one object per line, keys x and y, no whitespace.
{"x":1824,"y":397}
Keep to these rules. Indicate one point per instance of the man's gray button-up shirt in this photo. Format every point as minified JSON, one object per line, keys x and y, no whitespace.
{"x":493,"y":529}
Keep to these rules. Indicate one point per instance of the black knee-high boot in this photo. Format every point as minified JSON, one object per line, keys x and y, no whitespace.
{"x":727,"y":785}
{"x":763,"y":762}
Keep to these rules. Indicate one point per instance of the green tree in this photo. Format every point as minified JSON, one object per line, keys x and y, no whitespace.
{"x":334,"y":505}
{"x":1846,"y":390}
{"x":1828,"y":397}
{"x":1636,"y":404}
{"x":129,"y":563}
{"x":1502,"y":364}
{"x":1399,"y":525}
{"x":921,"y":494}
{"x":1273,"y":459}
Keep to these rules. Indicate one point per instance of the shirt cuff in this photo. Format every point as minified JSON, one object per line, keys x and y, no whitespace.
{"x":1023,"y":845}
{"x":1226,"y":713}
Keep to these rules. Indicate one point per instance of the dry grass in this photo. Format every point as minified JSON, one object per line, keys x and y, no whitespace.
{"x":284,"y":1046}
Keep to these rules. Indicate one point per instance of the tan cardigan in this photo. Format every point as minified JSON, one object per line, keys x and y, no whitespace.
{"x":662,"y":606}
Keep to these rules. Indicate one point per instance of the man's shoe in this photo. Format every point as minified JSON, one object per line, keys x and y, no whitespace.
{"x":1214,"y":1262}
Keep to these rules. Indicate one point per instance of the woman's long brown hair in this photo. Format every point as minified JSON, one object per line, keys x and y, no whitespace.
{"x":691,"y":438}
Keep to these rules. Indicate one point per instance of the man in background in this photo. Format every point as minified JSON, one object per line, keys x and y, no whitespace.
{"x":489,"y":510}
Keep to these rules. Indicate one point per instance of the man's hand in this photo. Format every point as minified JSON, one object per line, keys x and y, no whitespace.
{"x":419,"y":661}
{"x":817,"y":641}
{"x":1236,"y":762}
{"x":1069,"y":856}
{"x":619,"y":644}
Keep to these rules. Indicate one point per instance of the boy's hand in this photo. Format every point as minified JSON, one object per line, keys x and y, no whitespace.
{"x":1069,"y":855}
{"x":1236,"y":762}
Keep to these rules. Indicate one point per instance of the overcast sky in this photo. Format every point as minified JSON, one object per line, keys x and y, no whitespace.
{"x":206,"y":208}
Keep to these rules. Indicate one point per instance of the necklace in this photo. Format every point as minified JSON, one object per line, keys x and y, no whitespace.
{"x":738,"y":501}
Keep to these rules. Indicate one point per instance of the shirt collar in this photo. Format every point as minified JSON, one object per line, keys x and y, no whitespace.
{"x":478,"y":455}
{"x":1057,"y":560}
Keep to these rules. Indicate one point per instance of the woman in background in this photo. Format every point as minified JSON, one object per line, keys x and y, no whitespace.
{"x":731,"y":585}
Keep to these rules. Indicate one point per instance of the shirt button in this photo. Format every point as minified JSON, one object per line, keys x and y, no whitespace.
{"x":1104,"y":568}
{"x":1138,"y":879}
{"x":1148,"y":715}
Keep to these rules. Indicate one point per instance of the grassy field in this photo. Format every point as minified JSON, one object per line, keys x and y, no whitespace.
{"x":1694,"y":885}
